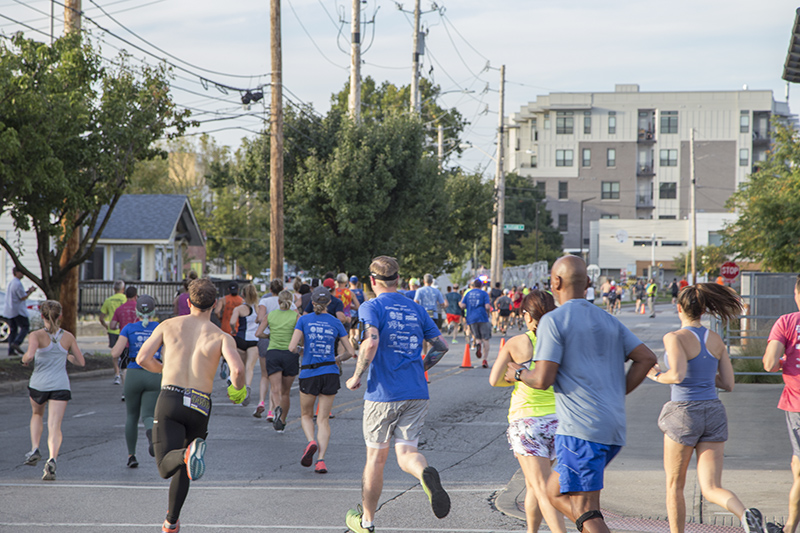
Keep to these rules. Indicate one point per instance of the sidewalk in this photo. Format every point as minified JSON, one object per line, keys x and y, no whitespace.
{"x":757,"y":456}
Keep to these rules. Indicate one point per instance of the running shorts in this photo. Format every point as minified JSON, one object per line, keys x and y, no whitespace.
{"x":282,"y":361}
{"x":581,"y":463}
{"x":325,"y":384}
{"x":793,"y":423}
{"x":505,"y":312}
{"x":481,"y":330}
{"x":244,"y":345}
{"x":41,"y":397}
{"x":112,"y":339}
{"x":403,"y":420}
{"x":453,"y":318}
{"x":533,"y":436}
{"x":690,"y":422}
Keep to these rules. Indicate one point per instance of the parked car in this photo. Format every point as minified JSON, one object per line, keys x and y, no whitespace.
{"x":34,"y":316}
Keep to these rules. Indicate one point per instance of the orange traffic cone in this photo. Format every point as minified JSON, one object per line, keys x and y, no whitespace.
{"x":466,"y":362}
{"x":642,"y":311}
{"x":502,"y":342}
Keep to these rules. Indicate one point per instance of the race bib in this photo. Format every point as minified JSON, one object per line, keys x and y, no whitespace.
{"x":197,"y":400}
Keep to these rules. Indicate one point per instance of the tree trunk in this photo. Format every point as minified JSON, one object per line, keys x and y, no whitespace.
{"x":68,"y":292}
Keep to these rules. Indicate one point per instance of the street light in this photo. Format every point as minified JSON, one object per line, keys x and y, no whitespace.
{"x":583,"y":202}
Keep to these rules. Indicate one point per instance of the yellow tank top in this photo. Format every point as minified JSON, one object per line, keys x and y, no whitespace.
{"x":527,"y":402}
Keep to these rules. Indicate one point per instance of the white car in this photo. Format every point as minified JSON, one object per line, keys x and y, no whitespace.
{"x":34,"y":316}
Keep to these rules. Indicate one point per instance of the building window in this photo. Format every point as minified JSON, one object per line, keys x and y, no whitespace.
{"x":667,"y":191}
{"x":563,"y":158}
{"x":609,"y":217}
{"x":669,"y":122}
{"x":612,"y":122}
{"x":563,"y":188}
{"x":127,"y":262}
{"x":609,"y":190}
{"x":586,"y":160}
{"x":611,"y":157}
{"x":643,"y":243}
{"x":547,"y":122}
{"x":534,"y":161}
{"x":666,"y":217}
{"x":744,"y":122}
{"x":744,"y":157}
{"x":669,"y":158}
{"x":587,"y":122}
{"x":564,"y":123}
{"x":563,"y":223}
{"x":534,"y":131}
{"x":541,"y":186}
{"x":94,"y":267}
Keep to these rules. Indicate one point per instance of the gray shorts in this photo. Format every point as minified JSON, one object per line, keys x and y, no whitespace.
{"x":690,"y":422}
{"x":403,"y":420}
{"x":481,"y":330}
{"x":793,"y":423}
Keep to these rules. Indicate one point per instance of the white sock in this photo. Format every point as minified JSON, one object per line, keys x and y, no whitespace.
{"x":365,"y":523}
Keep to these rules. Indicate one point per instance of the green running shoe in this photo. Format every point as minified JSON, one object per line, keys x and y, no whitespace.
{"x":353,"y":521}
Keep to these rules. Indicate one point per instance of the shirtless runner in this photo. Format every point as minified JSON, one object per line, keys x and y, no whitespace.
{"x":192,"y":349}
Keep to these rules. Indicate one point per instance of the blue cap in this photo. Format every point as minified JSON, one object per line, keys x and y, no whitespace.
{"x":353,"y":279}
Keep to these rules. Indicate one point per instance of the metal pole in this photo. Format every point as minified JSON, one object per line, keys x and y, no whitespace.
{"x":355,"y":63}
{"x":415,"y":104}
{"x":536,"y":253}
{"x":276,"y":146}
{"x":440,"y":142}
{"x":693,"y":206}
{"x":52,"y":18}
{"x":500,"y":192}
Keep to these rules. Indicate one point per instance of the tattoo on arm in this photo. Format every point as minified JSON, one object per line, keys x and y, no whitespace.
{"x":362,"y":366}
{"x":437,"y":351}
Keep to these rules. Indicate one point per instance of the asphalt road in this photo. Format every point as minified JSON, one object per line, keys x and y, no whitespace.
{"x":254,"y":481}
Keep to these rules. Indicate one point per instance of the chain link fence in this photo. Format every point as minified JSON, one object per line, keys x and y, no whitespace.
{"x":528,"y":275}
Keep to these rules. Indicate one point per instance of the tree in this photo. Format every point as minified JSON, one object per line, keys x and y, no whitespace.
{"x":709,"y":260}
{"x":527,"y":250}
{"x":523,"y":204}
{"x":768,"y":204}
{"x":71,"y":132}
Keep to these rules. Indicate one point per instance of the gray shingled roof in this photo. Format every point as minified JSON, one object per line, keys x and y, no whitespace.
{"x":144,"y":217}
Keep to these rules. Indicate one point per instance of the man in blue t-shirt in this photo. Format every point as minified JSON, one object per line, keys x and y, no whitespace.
{"x":478,"y":307}
{"x":396,"y":399}
{"x":581,"y":351}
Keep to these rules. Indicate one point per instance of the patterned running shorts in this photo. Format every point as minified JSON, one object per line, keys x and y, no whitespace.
{"x":534,"y":436}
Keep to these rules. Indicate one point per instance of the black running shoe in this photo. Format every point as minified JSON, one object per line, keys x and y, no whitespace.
{"x":753,"y":521}
{"x":49,"y":470}
{"x":132,"y":462}
{"x":32,"y":457}
{"x":278,"y":422}
{"x":774,"y":527}
{"x":432,"y":485}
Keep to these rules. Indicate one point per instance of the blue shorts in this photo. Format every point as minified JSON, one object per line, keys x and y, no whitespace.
{"x":581,"y":463}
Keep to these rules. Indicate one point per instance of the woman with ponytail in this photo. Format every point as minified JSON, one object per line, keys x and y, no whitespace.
{"x":49,"y":348}
{"x":696,"y":363}
{"x":532,"y":421}
{"x":141,"y":386}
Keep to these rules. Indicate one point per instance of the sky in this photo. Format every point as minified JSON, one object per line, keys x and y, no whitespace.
{"x":547,"y":46}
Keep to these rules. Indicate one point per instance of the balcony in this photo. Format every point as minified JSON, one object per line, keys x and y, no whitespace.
{"x":645,"y":170}
{"x":760,"y":138}
{"x":644,"y":201}
{"x":646,"y":136}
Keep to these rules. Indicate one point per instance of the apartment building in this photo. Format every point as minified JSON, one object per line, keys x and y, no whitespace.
{"x":626,"y":154}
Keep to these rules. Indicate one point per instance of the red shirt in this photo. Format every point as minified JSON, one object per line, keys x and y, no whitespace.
{"x":683,"y":283}
{"x":126,"y":313}
{"x":787,"y":331}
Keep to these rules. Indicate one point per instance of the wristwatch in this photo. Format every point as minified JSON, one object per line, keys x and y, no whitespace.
{"x":518,"y":374}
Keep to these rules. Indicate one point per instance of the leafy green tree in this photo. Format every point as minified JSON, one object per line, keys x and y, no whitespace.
{"x":527,"y":250}
{"x":768,"y":204}
{"x":71,"y":132}
{"x":709,"y":260}
{"x":523,"y":204}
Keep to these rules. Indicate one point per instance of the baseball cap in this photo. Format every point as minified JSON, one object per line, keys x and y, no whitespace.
{"x":145,"y":304}
{"x":321,"y":295}
{"x":234,"y":288}
{"x":341,"y":277}
{"x":353,"y":279}
{"x":329,"y":283}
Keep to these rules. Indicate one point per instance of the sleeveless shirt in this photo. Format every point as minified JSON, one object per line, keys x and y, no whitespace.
{"x":50,"y":366}
{"x":527,"y":402}
{"x":701,"y":372}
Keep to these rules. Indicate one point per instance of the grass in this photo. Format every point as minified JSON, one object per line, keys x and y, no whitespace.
{"x":11,"y":369}
{"x":755,"y":349}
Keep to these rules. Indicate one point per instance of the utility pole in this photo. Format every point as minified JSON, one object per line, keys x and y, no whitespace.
{"x":52,"y":20}
{"x":415,"y":103}
{"x":440,"y":142}
{"x":276,"y":146}
{"x":355,"y":63}
{"x":693,"y":206}
{"x":500,"y":193}
{"x":68,"y":294}
{"x":583,"y":202}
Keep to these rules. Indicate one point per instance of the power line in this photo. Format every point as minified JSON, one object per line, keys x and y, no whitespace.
{"x":23,"y":24}
{"x":311,"y":38}
{"x":444,"y":16}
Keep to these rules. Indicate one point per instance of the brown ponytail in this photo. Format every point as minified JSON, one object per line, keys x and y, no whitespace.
{"x":719,"y":300}
{"x":51,"y":311}
{"x":537,"y":303}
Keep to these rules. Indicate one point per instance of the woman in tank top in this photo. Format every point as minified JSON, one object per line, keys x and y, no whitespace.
{"x":532,"y":421}
{"x":49,"y":348}
{"x":243,"y":328}
{"x":696,"y":363}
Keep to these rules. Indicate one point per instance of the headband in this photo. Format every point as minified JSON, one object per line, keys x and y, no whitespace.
{"x":383,"y":278}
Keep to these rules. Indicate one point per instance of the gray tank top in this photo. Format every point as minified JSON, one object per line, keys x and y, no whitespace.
{"x":50,"y":366}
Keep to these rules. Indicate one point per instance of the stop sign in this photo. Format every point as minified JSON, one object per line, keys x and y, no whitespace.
{"x":729,"y":271}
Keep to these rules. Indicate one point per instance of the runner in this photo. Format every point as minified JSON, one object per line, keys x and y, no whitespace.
{"x":694,"y":420}
{"x":192,"y":349}
{"x":107,"y":314}
{"x":123,"y":315}
{"x":180,"y":305}
{"x":279,"y":366}
{"x":611,"y":297}
{"x":673,"y":288}
{"x":335,"y":307}
{"x":453,"y":311}
{"x":582,"y":352}
{"x":504,"y":306}
{"x":242,"y":324}
{"x":319,"y":374}
{"x":266,"y":305}
{"x":15,"y":311}
{"x":343,"y":293}
{"x":396,"y":399}
{"x":494,"y":294}
{"x":225,"y":306}
{"x":604,"y":289}
{"x":516,"y":299}
{"x":49,"y":348}
{"x":476,"y":303}
{"x":641,"y":295}
{"x":531,"y":417}
{"x":141,"y":386}
{"x":355,"y":335}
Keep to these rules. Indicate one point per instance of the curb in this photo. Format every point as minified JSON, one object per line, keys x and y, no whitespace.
{"x":506,"y":500}
{"x":12,"y":387}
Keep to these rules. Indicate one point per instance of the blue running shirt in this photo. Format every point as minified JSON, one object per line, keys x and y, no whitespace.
{"x":321,"y":333}
{"x":136,"y":334}
{"x":476,"y":301}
